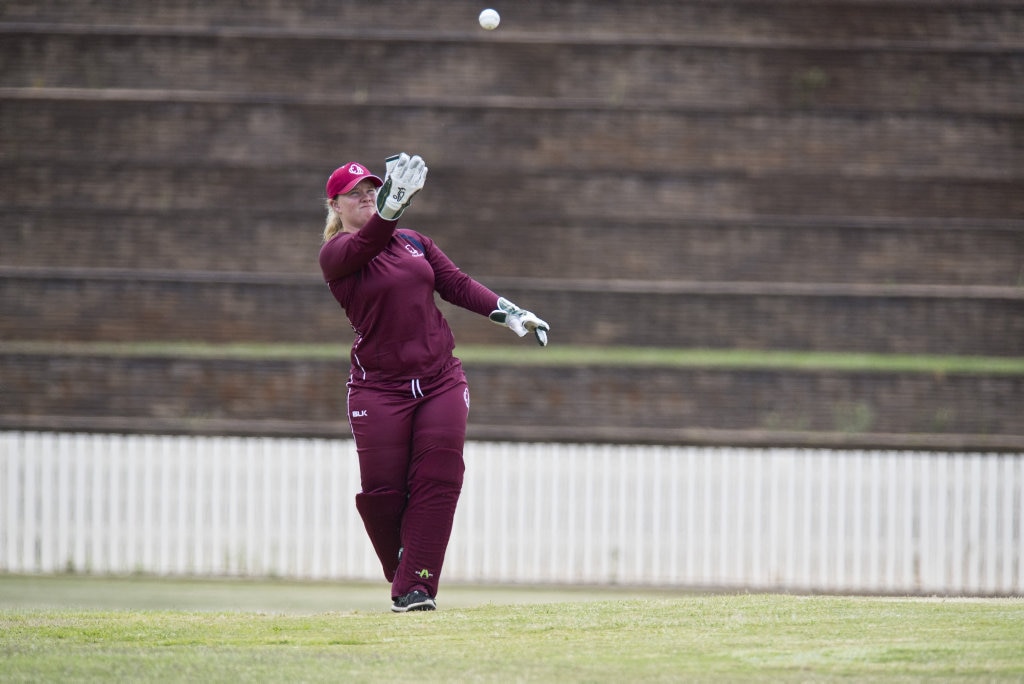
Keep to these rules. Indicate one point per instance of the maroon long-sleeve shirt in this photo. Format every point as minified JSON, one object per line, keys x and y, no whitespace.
{"x":385,"y":281}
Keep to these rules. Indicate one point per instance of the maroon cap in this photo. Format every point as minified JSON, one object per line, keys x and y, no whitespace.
{"x":346,"y":177}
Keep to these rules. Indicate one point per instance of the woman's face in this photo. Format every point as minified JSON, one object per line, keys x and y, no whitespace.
{"x":356,"y":206}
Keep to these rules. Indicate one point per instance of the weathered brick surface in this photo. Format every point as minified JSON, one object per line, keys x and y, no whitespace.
{"x":120,"y":309}
{"x":720,"y":319}
{"x":212,"y":308}
{"x":307,"y":397}
{"x":873,"y":78}
{"x":760,"y":250}
{"x":486,"y":134}
{"x":998,"y":22}
{"x":546,"y":195}
{"x":885,"y":251}
{"x":630,"y":173}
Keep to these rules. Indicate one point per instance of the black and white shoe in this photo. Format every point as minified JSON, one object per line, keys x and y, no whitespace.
{"x":414,"y":600}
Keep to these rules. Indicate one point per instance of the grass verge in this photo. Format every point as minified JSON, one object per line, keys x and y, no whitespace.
{"x":529,"y":354}
{"x":741,"y":637}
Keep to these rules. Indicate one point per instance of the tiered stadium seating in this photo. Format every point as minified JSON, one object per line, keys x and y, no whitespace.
{"x":786,"y":175}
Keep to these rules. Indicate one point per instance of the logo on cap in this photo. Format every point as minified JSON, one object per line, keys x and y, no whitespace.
{"x":356,"y":170}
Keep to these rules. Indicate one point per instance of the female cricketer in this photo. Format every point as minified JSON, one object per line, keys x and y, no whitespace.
{"x":408,"y":400}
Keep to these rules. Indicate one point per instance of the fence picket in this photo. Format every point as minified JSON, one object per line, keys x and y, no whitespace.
{"x":595,"y":514}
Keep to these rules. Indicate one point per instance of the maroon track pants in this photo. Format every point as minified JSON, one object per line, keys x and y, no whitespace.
{"x":409,"y":438}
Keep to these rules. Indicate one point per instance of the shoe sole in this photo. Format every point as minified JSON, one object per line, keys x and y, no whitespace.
{"x":423,"y":605}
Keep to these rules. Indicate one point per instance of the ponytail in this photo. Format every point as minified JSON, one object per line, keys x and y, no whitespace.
{"x":333,"y":225}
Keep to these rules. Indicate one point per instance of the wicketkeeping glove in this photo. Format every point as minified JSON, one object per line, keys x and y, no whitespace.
{"x":520,"y":321}
{"x":404,"y":178}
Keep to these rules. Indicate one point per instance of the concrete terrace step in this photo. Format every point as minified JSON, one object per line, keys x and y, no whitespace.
{"x":55,"y":126}
{"x":799,"y":316}
{"x":784,"y":174}
{"x":778,"y":249}
{"x":905,"y":22}
{"x":95,"y":305}
{"x":767,"y":249}
{"x":603,"y":195}
{"x":980,"y":79}
{"x":88,"y":391}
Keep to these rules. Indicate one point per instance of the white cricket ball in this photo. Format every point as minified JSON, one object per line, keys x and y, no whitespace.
{"x":489,"y":19}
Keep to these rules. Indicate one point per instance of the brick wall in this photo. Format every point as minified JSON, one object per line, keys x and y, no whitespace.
{"x":797,"y":174}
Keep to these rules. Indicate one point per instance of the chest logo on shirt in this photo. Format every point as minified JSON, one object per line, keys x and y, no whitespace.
{"x":412,"y":250}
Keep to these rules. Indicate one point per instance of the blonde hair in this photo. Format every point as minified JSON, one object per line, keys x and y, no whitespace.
{"x":333,"y":225}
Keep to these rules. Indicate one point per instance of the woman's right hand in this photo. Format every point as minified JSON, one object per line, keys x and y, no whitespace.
{"x":404,"y":178}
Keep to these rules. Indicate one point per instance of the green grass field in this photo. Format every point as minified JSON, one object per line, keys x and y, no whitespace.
{"x":567,"y":355}
{"x":144,"y":629}
{"x":83,"y":629}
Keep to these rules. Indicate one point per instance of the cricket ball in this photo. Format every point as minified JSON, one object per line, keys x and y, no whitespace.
{"x":489,"y":19}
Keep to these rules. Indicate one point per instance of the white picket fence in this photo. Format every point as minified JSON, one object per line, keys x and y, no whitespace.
{"x":760,"y":519}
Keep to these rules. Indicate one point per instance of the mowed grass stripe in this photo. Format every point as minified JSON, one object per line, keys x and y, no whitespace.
{"x":760,"y":637}
{"x":555,"y":355}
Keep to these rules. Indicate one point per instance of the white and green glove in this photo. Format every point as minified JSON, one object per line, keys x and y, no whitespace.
{"x":520,"y":321}
{"x":404,"y":178}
